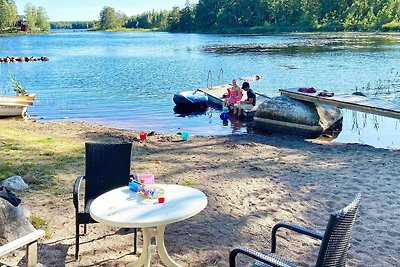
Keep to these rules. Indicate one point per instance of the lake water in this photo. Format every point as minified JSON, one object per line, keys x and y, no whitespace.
{"x":127,"y":80}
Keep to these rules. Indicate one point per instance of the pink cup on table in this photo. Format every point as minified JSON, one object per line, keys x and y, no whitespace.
{"x":146,"y":178}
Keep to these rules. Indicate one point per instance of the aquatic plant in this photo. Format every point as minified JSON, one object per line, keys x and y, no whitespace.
{"x":18,"y":88}
{"x":383,"y":86}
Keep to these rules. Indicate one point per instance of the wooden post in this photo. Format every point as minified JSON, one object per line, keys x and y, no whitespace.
{"x":30,"y":241}
{"x":31,"y":254}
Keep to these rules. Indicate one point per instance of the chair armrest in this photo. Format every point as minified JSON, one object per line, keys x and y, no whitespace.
{"x":22,"y":241}
{"x":269,"y":259}
{"x":77,"y":186}
{"x":295,"y":228}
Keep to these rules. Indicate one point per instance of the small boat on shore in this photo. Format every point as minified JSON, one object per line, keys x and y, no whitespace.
{"x":27,"y":97}
{"x":191,"y":99}
{"x":12,"y":110}
{"x":18,"y":99}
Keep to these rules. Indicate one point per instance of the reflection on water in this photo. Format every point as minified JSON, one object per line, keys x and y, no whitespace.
{"x":188,"y":112}
{"x":233,"y":124}
{"x":369,"y":129}
{"x":313,"y":43}
{"x":236,"y":124}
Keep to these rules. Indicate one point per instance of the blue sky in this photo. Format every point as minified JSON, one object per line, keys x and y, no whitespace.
{"x":67,"y":10}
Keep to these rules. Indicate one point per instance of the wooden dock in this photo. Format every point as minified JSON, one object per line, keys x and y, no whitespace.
{"x":354,"y":102}
{"x":215,"y":96}
{"x":215,"y":93}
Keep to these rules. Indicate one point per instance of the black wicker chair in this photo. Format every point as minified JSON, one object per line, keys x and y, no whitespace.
{"x":334,"y":245}
{"x":107,"y":167}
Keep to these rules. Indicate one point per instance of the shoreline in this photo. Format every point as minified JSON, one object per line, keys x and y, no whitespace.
{"x":257,"y":31}
{"x":251,"y":182}
{"x":364,"y":137}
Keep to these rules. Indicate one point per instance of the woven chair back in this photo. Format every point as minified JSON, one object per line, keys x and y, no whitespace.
{"x":336,"y":240}
{"x":107,"y":167}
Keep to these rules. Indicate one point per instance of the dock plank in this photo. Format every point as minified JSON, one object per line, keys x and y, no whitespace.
{"x":215,"y":93}
{"x":354,"y":102}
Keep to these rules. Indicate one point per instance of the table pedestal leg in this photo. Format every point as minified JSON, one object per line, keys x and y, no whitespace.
{"x":149,"y":248}
{"x":166,"y":259}
{"x":145,"y":257}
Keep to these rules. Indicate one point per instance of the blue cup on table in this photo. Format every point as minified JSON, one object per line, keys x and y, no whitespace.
{"x":134,"y":186}
{"x":185,"y":136}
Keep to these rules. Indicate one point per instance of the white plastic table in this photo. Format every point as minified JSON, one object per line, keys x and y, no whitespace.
{"x":122,"y":207}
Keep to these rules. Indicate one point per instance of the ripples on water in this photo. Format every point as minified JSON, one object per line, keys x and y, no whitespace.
{"x":127,"y":80}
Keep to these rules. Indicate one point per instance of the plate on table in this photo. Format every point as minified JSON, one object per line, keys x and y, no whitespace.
{"x":152,"y":192}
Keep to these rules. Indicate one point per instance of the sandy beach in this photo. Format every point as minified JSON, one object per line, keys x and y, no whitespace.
{"x":251,"y":181}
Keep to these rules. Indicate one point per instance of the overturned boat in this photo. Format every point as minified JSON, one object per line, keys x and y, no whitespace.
{"x":191,"y":99}
{"x":284,"y":114}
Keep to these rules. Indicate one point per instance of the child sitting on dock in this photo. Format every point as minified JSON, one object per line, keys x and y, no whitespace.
{"x":247,"y":105}
{"x":235,"y":95}
{"x":251,"y":96}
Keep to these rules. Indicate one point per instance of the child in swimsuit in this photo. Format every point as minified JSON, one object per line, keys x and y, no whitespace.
{"x":235,"y":96}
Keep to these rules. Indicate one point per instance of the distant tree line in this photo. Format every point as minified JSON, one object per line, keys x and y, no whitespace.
{"x":72,"y":25}
{"x":264,"y":15}
{"x":34,"y":19}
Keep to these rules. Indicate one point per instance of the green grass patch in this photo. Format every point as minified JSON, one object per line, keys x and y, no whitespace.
{"x":37,"y":159}
{"x":11,"y":31}
{"x":17,"y":31}
{"x":40,"y":223}
{"x":391,"y":26}
{"x":188,"y":181}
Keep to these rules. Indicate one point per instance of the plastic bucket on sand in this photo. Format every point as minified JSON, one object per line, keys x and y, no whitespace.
{"x":143,"y":136}
{"x":185,"y":136}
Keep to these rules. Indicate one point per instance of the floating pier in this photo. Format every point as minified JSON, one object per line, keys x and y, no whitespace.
{"x":215,"y":93}
{"x":215,"y":96}
{"x":354,"y":102}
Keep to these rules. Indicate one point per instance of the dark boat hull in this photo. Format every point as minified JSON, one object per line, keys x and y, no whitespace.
{"x":190,"y":99}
